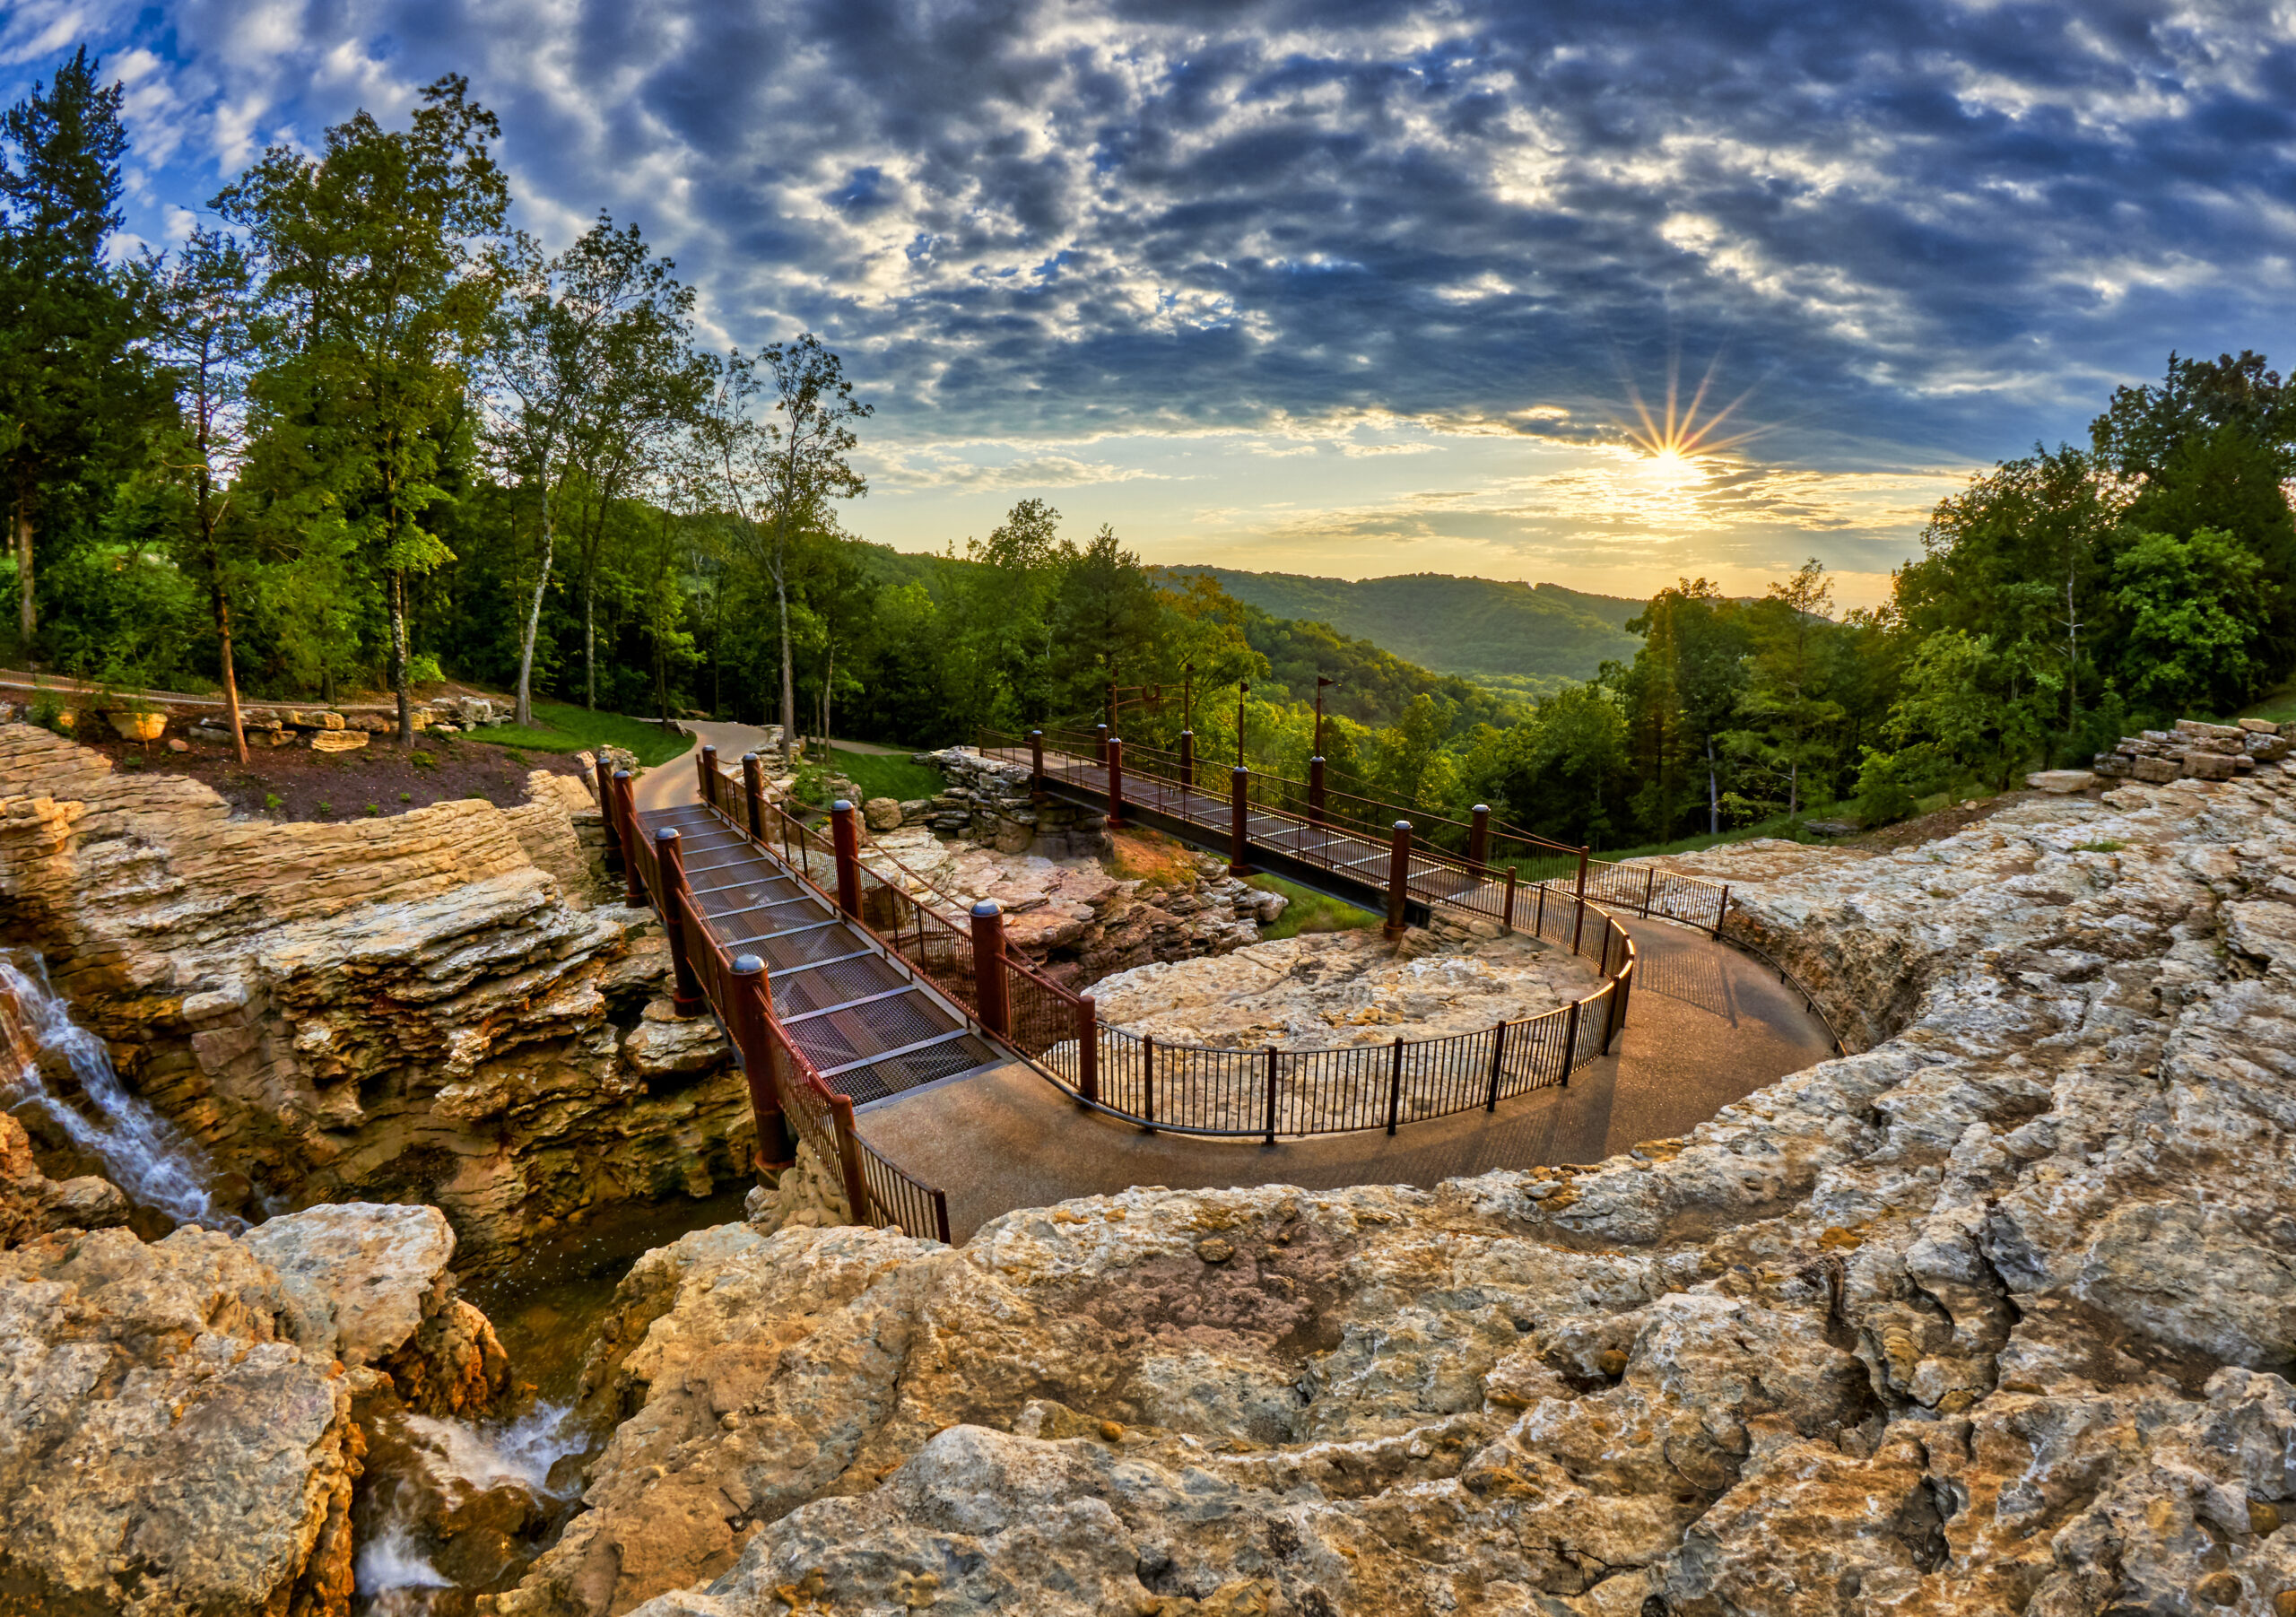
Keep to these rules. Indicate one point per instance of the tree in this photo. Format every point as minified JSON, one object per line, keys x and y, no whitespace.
{"x":590,"y":358}
{"x":2195,"y":612}
{"x":1106,"y":616}
{"x":73,"y":390}
{"x":380,"y":293}
{"x":1681,"y":692}
{"x":1783,"y":686}
{"x":206,"y":342}
{"x":782,"y":474}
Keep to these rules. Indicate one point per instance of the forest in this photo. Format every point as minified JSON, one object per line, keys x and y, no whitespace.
{"x":358,"y":434}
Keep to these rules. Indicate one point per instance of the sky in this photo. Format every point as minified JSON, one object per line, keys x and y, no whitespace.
{"x":1361,"y":287}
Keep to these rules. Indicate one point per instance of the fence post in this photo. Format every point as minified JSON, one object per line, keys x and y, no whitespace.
{"x":1238,"y":814}
{"x":848,"y":1154}
{"x":1112,"y":754}
{"x":1088,"y":1047}
{"x":1579,"y":922}
{"x":992,"y":992}
{"x":753,"y":1003}
{"x":625,"y":809}
{"x":1099,"y":743}
{"x":1395,"y":1084}
{"x":1507,"y":916}
{"x":1539,"y":924}
{"x":1649,"y":888}
{"x":1398,"y":878}
{"x":1272,"y":1058}
{"x":1570,"y":1045}
{"x":754,"y":789}
{"x":1036,"y":763}
{"x":1722,"y":912}
{"x":845,"y":840}
{"x":605,"y":812}
{"x":1188,"y":758}
{"x":1148,"y":1081}
{"x":686,"y":998}
{"x":1315,"y":788}
{"x":1479,"y":833}
{"x":705,"y":765}
{"x":1498,"y":1059}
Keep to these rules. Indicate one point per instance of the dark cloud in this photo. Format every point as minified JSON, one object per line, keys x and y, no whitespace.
{"x":1928,"y":229}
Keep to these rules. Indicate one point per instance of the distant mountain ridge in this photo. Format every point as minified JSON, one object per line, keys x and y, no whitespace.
{"x":1506,"y":634}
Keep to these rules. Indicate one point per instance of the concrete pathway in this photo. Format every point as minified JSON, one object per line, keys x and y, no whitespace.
{"x":1707,"y":1026}
{"x":674,"y":784}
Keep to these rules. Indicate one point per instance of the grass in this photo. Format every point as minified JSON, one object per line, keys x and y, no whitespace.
{"x":1309,"y":911}
{"x":563,"y":727}
{"x":878,"y":775}
{"x":2278,"y":706}
{"x":1779,"y":826}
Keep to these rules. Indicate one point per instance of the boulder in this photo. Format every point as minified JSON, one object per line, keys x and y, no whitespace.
{"x":881,"y":814}
{"x":2061,"y":781}
{"x":211,"y":733}
{"x":2156,"y":770}
{"x":32,"y":1204}
{"x":338,"y":741}
{"x":2259,"y":726}
{"x":2210,"y":766}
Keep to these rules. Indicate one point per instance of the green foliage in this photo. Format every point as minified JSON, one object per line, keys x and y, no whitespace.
{"x":571,"y":729}
{"x":878,"y":775}
{"x":1308,"y":911}
{"x":2105,"y":845}
{"x":2195,"y":613}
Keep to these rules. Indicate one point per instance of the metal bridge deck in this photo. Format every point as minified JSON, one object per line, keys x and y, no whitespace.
{"x":863,"y":1020}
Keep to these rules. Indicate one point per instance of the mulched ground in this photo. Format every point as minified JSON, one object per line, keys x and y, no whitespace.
{"x":295,"y":783}
{"x":1929,"y":828}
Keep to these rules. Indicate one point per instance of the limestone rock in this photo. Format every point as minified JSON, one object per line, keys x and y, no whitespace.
{"x":32,"y":1204}
{"x":338,"y":741}
{"x":358,"y":1276}
{"x":2061,"y":781}
{"x":881,"y":814}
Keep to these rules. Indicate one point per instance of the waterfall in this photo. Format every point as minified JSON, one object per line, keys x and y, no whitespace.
{"x":141,"y":1152}
{"x":422,"y":1466}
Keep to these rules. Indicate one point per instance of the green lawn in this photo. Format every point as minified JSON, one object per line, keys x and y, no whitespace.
{"x":877,"y":777}
{"x":563,"y":727}
{"x":2278,"y":706}
{"x":1309,"y":910}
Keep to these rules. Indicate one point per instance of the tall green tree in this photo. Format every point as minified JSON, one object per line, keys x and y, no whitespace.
{"x":75,"y":397}
{"x":1785,"y":702}
{"x":379,"y":286}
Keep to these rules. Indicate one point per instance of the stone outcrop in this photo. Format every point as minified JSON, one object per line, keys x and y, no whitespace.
{"x":178,"y":1430}
{"x":2197,"y":750}
{"x":429,"y":1006}
{"x":986,"y":801}
{"x":32,"y":1204}
{"x":1990,"y":1317}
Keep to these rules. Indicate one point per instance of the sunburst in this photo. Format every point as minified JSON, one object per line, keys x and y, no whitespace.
{"x":1674,"y":441}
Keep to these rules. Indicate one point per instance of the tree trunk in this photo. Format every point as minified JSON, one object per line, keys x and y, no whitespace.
{"x":231,"y":680}
{"x":788,"y":669}
{"x":27,"y":617}
{"x":1713,"y":796}
{"x":589,"y":645}
{"x":526,"y":712}
{"x":398,"y":657}
{"x":829,"y":678}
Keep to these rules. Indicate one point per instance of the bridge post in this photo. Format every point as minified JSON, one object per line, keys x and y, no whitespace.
{"x":605,"y":811}
{"x":1315,"y":788}
{"x":1100,"y":744}
{"x":669,"y":857}
{"x":991,"y":989}
{"x":752,"y":1002}
{"x":1570,"y":1044}
{"x":625,"y":812}
{"x":1112,"y":755}
{"x":1479,"y":834}
{"x":1188,"y":758}
{"x":1269,"y":1130}
{"x":1088,"y":1047}
{"x":1398,"y":879}
{"x":1036,"y":763}
{"x":1722,"y":911}
{"x":1497,"y":1064}
{"x":1578,"y":921}
{"x":848,"y":1157}
{"x":706,"y":767}
{"x":1238,"y":817}
{"x":845,"y":841}
{"x":1394,"y":1084}
{"x":1507,"y":916}
{"x":753,"y":791}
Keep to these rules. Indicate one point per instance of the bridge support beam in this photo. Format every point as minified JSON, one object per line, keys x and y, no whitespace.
{"x":669,"y":858}
{"x":625,"y":814}
{"x":1398,"y":879}
{"x":605,"y":811}
{"x":1112,"y":754}
{"x":1240,"y":780}
{"x":706,"y":772}
{"x":992,"y":989}
{"x":845,"y":841}
{"x":754,"y":1037}
{"x":753,"y":794}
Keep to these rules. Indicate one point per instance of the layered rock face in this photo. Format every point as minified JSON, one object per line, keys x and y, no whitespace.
{"x":428,"y":1006}
{"x":1990,"y":1317}
{"x":177,"y":1419}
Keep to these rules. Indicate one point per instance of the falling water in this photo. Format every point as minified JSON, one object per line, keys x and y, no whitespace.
{"x":141,"y":1152}
{"x":444,"y":1462}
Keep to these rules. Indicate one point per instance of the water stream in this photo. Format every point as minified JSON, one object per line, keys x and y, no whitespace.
{"x":137,"y":1149}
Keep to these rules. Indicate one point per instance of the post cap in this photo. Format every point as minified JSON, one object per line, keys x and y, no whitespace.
{"x":666,"y":833}
{"x":1116,"y":739}
{"x":622,"y":774}
{"x":1240,"y":769}
{"x":747,"y":965}
{"x":987,"y":908}
{"x":841,"y":806}
{"x":1318,"y":758}
{"x":747,"y":756}
{"x":1403,"y":825}
{"x":1187,"y":731}
{"x":1480,"y":808}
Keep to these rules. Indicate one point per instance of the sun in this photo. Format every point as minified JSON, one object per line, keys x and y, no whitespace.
{"x":1670,"y":467}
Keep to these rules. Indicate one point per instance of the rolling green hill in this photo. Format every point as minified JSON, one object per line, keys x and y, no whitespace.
{"x":1509,"y":636}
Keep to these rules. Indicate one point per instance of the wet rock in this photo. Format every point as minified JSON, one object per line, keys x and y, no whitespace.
{"x":32,"y":1204}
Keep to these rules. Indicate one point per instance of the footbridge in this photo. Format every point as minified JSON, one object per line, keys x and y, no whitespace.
{"x":847,"y":983}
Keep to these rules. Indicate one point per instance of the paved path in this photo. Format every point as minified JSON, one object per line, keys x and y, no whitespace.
{"x":674,"y":784}
{"x":1707,"y":1026}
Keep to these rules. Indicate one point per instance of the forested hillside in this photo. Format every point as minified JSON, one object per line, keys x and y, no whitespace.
{"x":1529,"y":638}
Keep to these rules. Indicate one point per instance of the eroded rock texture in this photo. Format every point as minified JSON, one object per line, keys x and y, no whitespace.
{"x":177,"y":1426}
{"x":1991,"y":1317}
{"x":428,"y":1007}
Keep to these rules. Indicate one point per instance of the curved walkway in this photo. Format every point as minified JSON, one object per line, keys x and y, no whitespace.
{"x":1708,"y":1025}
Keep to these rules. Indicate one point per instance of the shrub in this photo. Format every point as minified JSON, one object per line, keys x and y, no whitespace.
{"x":374,"y":810}
{"x":326,"y":811}
{"x":273,"y":803}
{"x":406,"y":796}
{"x":422,"y":760}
